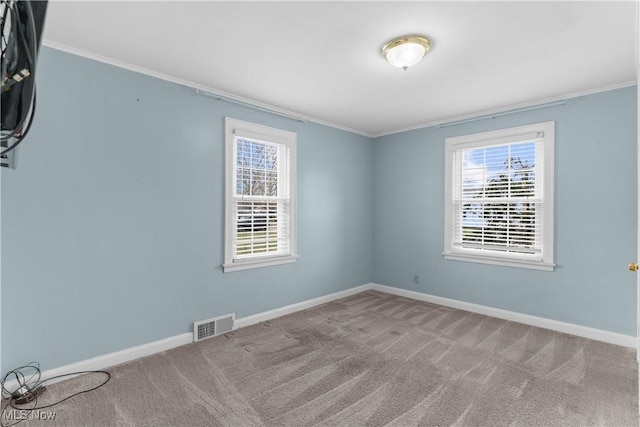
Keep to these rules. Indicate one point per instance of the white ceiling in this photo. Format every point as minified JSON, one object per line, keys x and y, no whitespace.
{"x":322,"y":59}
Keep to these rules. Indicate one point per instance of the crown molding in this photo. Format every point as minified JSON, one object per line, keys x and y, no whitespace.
{"x":507,"y":109}
{"x":200,"y":88}
{"x":230,"y":97}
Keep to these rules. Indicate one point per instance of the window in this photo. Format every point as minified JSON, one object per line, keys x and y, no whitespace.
{"x":499,"y":197}
{"x":259,"y":196}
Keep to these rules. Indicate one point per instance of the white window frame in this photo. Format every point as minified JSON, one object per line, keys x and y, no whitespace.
{"x":273,"y":136}
{"x":545,"y":261}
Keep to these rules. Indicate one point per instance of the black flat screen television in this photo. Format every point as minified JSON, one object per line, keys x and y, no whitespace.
{"x":22,"y":25}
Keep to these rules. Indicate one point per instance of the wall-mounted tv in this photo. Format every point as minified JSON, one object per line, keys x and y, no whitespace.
{"x":22,"y":24}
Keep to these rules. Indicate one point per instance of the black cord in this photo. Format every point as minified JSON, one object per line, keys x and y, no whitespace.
{"x":21,"y":379}
{"x":27,"y":38}
{"x":10,"y":50}
{"x":75,"y":394}
{"x":27,"y":385}
{"x":8,"y":45}
{"x":16,"y":131}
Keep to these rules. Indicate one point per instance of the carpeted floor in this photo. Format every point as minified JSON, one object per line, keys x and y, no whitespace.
{"x":371,"y":359}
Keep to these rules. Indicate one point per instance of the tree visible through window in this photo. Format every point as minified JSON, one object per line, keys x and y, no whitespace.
{"x":260,"y":196}
{"x":257,"y":203}
{"x":498,"y":196}
{"x":499,"y":210}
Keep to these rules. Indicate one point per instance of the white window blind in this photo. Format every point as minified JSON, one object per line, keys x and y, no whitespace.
{"x":261,"y":199}
{"x":260,"y":196}
{"x":498,"y":204}
{"x":497,"y":198}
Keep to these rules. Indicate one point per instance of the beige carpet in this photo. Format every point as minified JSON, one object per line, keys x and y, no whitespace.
{"x":371,"y":359}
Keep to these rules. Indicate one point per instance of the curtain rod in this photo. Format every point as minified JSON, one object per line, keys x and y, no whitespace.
{"x":502,"y":113}
{"x":249,"y":104}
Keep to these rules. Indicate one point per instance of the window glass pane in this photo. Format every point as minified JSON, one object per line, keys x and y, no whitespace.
{"x":261,"y":225}
{"x":499,"y":172}
{"x":257,"y":228}
{"x":271,"y":184}
{"x":256,"y":168}
{"x":259,"y":196}
{"x":473,"y":173}
{"x":499,"y":197}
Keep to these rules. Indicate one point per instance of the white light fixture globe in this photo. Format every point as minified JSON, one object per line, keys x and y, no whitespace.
{"x":406,"y":51}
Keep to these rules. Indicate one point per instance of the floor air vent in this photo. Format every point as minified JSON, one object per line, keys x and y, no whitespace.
{"x":211,"y":327}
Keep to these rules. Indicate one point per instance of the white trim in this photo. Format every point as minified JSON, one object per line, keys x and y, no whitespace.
{"x":546,"y":143}
{"x":129,"y":354}
{"x":504,"y":113}
{"x":503,"y":262}
{"x":527,"y":319}
{"x":206,"y":90}
{"x":287,"y":175}
{"x":227,"y":96}
{"x":515,"y":108}
{"x":111,"y":359}
{"x":132,"y":353}
{"x":264,"y":262}
{"x":299,"y":306}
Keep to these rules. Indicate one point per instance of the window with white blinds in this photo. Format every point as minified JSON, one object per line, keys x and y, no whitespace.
{"x":260,"y":196}
{"x":499,"y":197}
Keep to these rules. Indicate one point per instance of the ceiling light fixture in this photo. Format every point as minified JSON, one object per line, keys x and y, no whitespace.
{"x":406,"y":51}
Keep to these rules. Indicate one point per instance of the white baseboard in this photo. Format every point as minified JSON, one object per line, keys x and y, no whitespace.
{"x":541,"y":322}
{"x":132,"y":353}
{"x":129,"y":354}
{"x":282,"y":311}
{"x":111,"y":359}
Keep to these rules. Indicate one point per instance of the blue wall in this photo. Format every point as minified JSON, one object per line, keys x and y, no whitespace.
{"x":112,"y":224}
{"x":595,"y":205}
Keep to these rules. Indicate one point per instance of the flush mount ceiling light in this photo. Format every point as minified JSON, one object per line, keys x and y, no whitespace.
{"x":406,"y":51}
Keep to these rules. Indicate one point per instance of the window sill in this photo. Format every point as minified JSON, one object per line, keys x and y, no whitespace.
{"x":258,"y":263}
{"x":505,"y":262}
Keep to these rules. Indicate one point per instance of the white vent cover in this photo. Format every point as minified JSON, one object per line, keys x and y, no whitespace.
{"x":211,"y":327}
